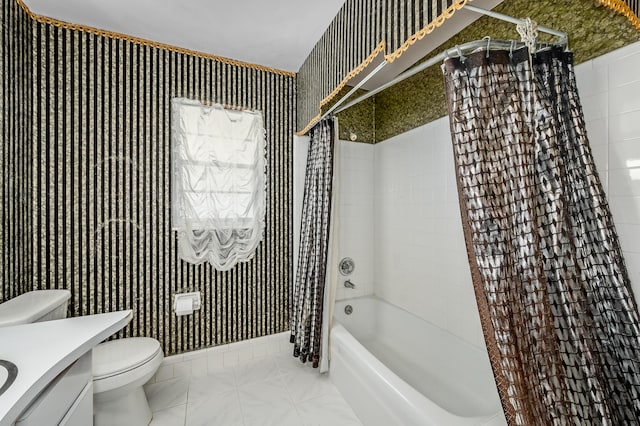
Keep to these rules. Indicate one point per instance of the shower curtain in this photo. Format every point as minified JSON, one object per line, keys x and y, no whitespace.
{"x":313,"y":258}
{"x":559,"y":319}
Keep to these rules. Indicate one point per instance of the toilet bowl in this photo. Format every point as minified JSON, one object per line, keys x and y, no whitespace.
{"x":120,"y":369}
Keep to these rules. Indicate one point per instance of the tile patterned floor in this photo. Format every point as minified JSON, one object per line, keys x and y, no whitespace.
{"x":248,"y":383}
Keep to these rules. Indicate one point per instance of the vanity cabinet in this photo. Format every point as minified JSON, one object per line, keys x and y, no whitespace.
{"x":53,"y":384}
{"x":67,"y":400}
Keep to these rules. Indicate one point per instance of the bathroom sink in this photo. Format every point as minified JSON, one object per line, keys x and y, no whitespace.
{"x":8,"y":373}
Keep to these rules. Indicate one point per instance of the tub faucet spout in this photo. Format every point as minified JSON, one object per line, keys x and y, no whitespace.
{"x":349,"y":284}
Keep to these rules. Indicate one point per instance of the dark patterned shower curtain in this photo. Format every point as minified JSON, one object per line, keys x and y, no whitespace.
{"x":308,"y":291}
{"x":558,"y":315}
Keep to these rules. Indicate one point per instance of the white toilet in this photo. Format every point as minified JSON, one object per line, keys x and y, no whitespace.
{"x":120,"y":367}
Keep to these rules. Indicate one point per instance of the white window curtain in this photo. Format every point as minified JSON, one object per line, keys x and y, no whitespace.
{"x":218,"y":182}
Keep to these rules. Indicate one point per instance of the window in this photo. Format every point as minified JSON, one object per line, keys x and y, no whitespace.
{"x":218,"y":182}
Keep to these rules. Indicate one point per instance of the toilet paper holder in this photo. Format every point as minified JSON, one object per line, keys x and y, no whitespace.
{"x":186,"y":303}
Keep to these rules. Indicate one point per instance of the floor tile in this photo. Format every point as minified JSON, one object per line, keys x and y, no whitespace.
{"x":173,"y":416}
{"x":260,"y":350}
{"x":230,"y":358}
{"x":280,"y":414}
{"x":327,"y":410}
{"x":256,"y":371}
{"x":266,"y":391}
{"x":275,"y":348}
{"x":222,"y":381}
{"x":267,"y":403}
{"x":215,"y":362}
{"x":274,"y":389}
{"x":199,"y":367}
{"x":287,"y":363}
{"x":223,"y":409}
{"x":307,"y":385}
{"x":169,"y":393}
{"x":165,"y":372}
{"x":182,"y":369}
{"x":245,"y":355}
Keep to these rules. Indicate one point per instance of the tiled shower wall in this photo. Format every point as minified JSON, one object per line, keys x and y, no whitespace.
{"x":610,"y":94}
{"x":98,"y":177}
{"x":420,"y":256}
{"x":354,"y":211}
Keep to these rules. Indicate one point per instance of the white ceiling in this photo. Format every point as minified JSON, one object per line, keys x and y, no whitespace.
{"x":275,"y":33}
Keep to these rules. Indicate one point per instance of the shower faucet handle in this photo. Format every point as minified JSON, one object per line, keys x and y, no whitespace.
{"x":349,"y":284}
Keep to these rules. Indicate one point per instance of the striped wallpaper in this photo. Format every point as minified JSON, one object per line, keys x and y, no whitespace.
{"x":100,"y":193}
{"x":359,"y":28}
{"x":15,"y":152}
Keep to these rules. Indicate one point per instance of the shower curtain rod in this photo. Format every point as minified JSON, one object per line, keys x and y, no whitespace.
{"x":501,"y":44}
{"x":335,"y":108}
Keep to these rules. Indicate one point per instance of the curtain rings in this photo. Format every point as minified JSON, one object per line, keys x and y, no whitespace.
{"x":488,"y":44}
{"x":462,"y":58}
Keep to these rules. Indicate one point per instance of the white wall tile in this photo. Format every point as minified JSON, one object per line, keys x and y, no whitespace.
{"x":624,"y":182}
{"x":598,"y":130}
{"x":611,"y":59}
{"x":622,"y":129}
{"x":195,"y":354}
{"x":620,"y":101}
{"x":595,"y":106}
{"x":624,"y":126}
{"x":625,"y":69}
{"x":356,"y":216}
{"x":629,"y":234}
{"x":173,"y":359}
{"x":592,"y":80}
{"x":419,"y":246}
{"x":625,"y":209}
{"x":624,"y":154}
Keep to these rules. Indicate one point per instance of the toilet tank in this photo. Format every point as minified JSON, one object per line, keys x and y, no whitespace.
{"x":35,"y":306}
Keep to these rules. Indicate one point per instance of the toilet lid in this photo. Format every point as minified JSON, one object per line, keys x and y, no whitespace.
{"x":121,"y":355}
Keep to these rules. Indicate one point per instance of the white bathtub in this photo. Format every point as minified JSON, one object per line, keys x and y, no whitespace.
{"x":394,"y":368}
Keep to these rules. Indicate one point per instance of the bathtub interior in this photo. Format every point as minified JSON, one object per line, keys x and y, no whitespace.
{"x":450,"y":372}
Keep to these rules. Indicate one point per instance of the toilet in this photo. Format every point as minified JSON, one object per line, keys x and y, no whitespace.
{"x":120,"y":367}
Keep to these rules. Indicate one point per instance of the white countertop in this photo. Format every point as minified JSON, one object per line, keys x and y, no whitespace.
{"x":43,"y":350}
